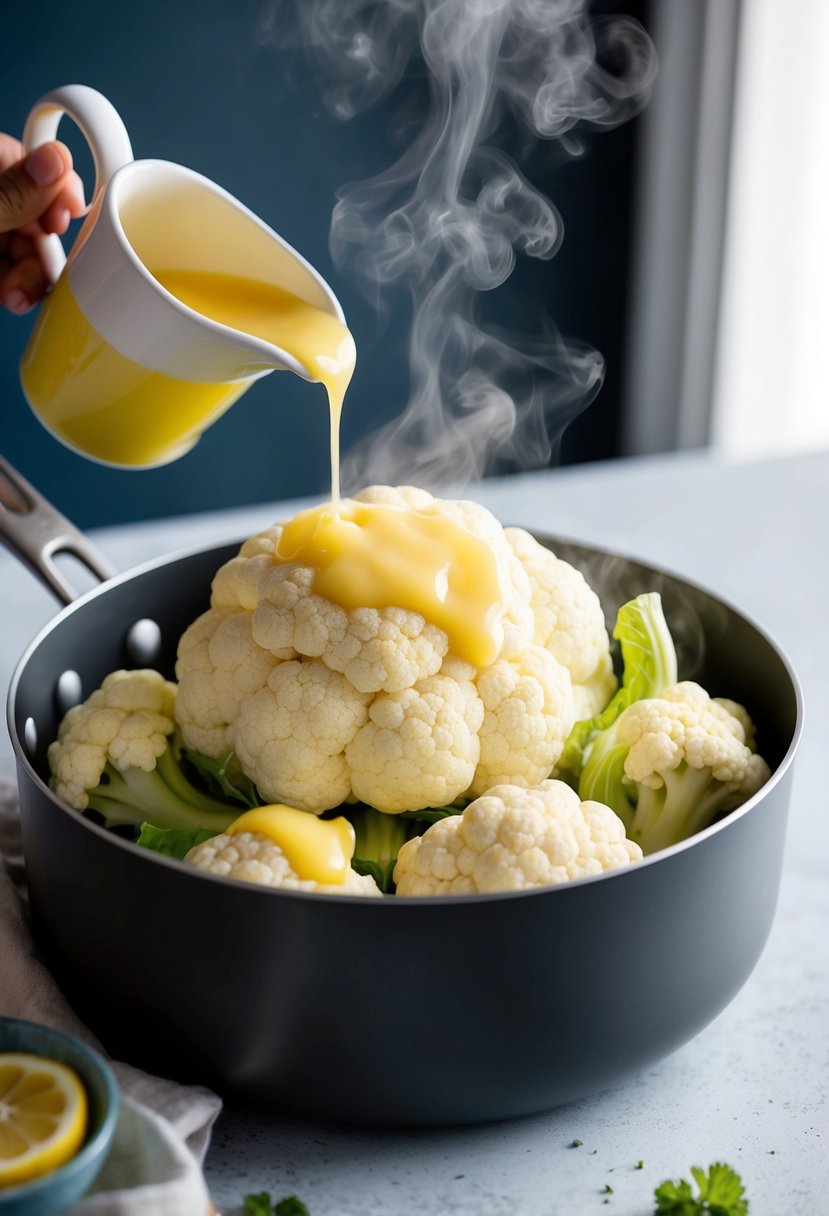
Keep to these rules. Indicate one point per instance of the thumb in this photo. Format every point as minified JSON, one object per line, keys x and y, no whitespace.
{"x":29,"y":186}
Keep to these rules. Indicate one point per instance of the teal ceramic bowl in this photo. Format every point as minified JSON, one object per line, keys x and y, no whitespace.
{"x":64,"y":1186}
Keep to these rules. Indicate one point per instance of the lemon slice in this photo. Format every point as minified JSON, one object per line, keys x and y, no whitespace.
{"x":43,"y":1116}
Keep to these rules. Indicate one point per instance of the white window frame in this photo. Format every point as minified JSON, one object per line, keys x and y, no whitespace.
{"x":770,"y":389}
{"x":729,"y":307}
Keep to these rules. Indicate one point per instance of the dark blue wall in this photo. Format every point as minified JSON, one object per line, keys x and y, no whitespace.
{"x":193,"y":85}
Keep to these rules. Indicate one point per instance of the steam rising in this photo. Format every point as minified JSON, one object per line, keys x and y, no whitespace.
{"x":448,"y":219}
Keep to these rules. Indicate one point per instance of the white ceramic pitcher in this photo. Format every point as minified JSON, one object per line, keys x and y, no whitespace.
{"x":116,"y":367}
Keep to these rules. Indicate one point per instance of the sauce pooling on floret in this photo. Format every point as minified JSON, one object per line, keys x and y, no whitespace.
{"x":368,"y":555}
{"x":319,"y":850}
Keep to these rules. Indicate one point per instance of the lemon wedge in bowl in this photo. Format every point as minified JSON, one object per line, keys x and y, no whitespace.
{"x":61,"y":1098}
{"x":43,"y":1116}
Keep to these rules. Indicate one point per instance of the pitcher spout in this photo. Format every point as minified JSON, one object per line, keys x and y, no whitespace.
{"x":184,"y":230}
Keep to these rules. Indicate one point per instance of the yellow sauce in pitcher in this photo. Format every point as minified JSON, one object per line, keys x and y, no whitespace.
{"x":145,"y":417}
{"x":113,"y":409}
{"x":316,"y":339}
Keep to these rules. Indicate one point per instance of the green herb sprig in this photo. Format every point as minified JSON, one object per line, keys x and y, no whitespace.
{"x":720,"y":1192}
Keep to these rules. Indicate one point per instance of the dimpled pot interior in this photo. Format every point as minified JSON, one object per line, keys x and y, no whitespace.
{"x":400,"y":1011}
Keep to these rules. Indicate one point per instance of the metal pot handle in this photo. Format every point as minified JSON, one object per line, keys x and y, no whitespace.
{"x":36,"y":532}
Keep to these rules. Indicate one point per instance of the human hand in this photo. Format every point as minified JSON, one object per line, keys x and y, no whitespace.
{"x":39,"y":193}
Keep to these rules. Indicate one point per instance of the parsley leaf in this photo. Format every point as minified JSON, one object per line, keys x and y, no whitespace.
{"x":260,"y":1205}
{"x":257,"y":1205}
{"x":290,"y":1206}
{"x":720,"y":1193}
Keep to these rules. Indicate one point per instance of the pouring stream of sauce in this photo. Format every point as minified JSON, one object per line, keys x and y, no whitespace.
{"x":316,"y":339}
{"x":365,"y":554}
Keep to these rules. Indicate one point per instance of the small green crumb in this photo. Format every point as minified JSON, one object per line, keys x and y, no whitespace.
{"x":593,"y":1152}
{"x":608,"y":1189}
{"x":640,"y":1165}
{"x":576,"y":1143}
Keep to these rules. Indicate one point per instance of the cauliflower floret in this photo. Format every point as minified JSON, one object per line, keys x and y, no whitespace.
{"x":384,"y":649}
{"x":686,"y":725}
{"x":568,"y":621}
{"x":219,"y":666}
{"x":124,"y":722}
{"x":670,"y":764}
{"x":237,"y":583}
{"x":396,"y":496}
{"x":254,"y":857}
{"x":292,"y":734}
{"x":118,"y":754}
{"x":420,"y":746}
{"x":529,"y":712}
{"x":741,"y":714}
{"x":512,"y":839}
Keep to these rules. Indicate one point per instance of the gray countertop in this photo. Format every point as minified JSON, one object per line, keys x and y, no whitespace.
{"x":751,"y":1088}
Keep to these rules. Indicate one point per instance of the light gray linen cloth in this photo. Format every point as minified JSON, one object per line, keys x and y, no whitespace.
{"x":163,"y":1130}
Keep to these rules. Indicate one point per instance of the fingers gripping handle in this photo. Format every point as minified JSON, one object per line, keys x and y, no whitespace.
{"x":104,"y":131}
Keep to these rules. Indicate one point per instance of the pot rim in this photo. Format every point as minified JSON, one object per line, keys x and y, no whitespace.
{"x":253,"y":891}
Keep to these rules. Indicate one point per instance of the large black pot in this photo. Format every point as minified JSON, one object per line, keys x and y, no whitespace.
{"x":401,"y":1010}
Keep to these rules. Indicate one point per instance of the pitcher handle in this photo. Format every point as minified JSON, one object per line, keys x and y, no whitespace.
{"x":102,"y":128}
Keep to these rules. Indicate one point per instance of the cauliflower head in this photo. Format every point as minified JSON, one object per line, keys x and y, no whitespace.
{"x":513,"y":838}
{"x":323,"y":704}
{"x":126,"y":722}
{"x":254,"y":857}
